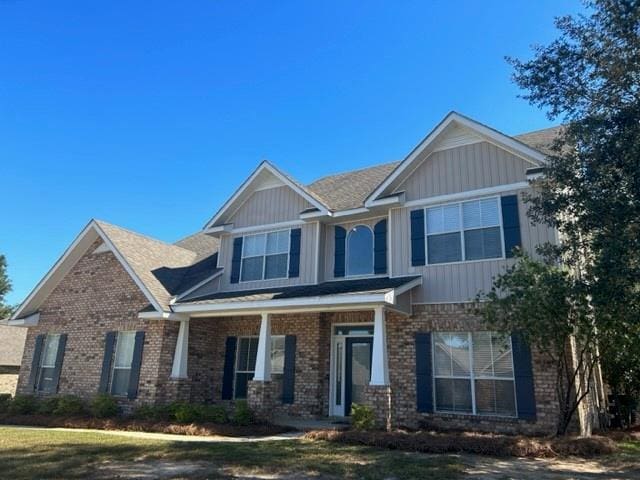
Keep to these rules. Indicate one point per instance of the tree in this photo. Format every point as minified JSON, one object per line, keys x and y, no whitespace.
{"x":589,"y":79}
{"x":5,"y":287}
{"x":549,"y":307}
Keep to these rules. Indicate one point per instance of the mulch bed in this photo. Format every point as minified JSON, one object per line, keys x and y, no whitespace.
{"x":203,"y":429}
{"x":473,"y":443}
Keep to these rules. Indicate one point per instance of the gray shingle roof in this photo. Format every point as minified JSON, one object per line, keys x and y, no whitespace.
{"x":350,"y":189}
{"x":541,"y":140}
{"x":343,"y":287}
{"x":200,"y":243}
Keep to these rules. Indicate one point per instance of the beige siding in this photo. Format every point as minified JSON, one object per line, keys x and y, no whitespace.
{"x":460,"y":169}
{"x":329,"y":243}
{"x":456,"y":282}
{"x":307,"y":263}
{"x":273,"y":205}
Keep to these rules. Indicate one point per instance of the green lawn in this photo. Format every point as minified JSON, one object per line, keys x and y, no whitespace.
{"x":26,"y":453}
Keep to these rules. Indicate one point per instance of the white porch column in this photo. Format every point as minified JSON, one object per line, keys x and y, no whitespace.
{"x":263,"y":360}
{"x":181,"y":355}
{"x":379,"y":363}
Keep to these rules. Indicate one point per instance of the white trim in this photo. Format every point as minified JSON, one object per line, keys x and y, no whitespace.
{"x":397,"y":198}
{"x":262,"y":369}
{"x":274,"y":171}
{"x":268,"y":227}
{"x":265,"y":255}
{"x":351,"y":211}
{"x":468,"y":195}
{"x":346,"y":252}
{"x":102,"y":248}
{"x":501,"y":139}
{"x":316,"y":260}
{"x":408,"y":286}
{"x":226,"y":228}
{"x":162,"y":316}
{"x":196,"y":286}
{"x":30,"y":321}
{"x":181,"y":354}
{"x":379,"y":362}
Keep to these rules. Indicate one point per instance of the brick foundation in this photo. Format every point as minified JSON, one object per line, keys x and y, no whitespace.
{"x":380,"y":399}
{"x":262,"y":398}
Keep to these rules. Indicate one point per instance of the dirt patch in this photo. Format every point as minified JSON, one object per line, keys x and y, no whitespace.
{"x":8,"y":383}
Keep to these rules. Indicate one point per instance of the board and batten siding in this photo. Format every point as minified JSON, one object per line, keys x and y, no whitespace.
{"x":329,"y":243}
{"x":464,"y":168}
{"x":272,"y":205}
{"x":457,"y":282}
{"x":307,"y":261}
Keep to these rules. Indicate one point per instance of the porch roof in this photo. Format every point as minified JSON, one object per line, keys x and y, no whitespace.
{"x":378,"y":290}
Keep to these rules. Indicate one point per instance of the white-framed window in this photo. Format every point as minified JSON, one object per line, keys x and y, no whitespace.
{"x":464,"y":231}
{"x":473,"y":373}
{"x":246,"y":354}
{"x":265,"y":256}
{"x":48,"y":357}
{"x":121,"y":365}
{"x":359,"y":251}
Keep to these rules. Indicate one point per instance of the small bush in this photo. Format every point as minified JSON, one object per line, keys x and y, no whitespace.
{"x":362,"y":417}
{"x":5,"y":402}
{"x":242,"y":414}
{"x":23,"y":405}
{"x":69,"y":405}
{"x":46,"y":406}
{"x":214,"y":414}
{"x":152,"y":412}
{"x":104,"y":406}
{"x":187,"y":413}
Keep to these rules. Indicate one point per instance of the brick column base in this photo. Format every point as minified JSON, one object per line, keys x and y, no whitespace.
{"x":378,"y":397}
{"x":261,"y":398}
{"x":176,"y":389}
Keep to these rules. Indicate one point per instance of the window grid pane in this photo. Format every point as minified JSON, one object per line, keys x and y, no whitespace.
{"x":265,"y":256}
{"x":481,"y":361}
{"x":246,"y":361}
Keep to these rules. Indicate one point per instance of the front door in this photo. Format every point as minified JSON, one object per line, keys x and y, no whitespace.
{"x":357,"y":370}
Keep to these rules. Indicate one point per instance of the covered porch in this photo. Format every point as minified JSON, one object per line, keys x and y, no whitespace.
{"x":291,"y":353}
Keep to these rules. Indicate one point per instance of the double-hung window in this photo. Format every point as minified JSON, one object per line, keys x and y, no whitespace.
{"x":265,"y":256}
{"x":473,"y":373}
{"x":246,"y":361}
{"x":46,"y":382}
{"x":121,"y":370}
{"x":464,"y":231}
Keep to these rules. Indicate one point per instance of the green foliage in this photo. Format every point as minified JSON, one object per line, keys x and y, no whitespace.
{"x":550,"y":308}
{"x":69,"y":405}
{"x":23,"y":405}
{"x":5,"y":402}
{"x":183,"y":412}
{"x":362,"y":417}
{"x":5,"y":288}
{"x":152,"y":412}
{"x":104,"y":406}
{"x":187,"y":413}
{"x":242,"y":414}
{"x":588,"y":78}
{"x":213,"y":414}
{"x":46,"y":406}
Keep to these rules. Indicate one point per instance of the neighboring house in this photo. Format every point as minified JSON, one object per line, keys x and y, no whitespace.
{"x":11,"y":347}
{"x":305,"y":299}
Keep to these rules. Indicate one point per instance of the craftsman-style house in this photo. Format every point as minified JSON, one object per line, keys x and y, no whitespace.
{"x":305,"y":299}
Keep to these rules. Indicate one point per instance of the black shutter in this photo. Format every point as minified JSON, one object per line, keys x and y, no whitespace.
{"x":294,"y":252}
{"x":417,"y":238}
{"x":289,"y":373}
{"x":136,"y":363}
{"x":340,"y":236}
{"x":424,"y":373}
{"x":62,"y":343}
{"x":109,"y":343}
{"x":510,"y":224}
{"x":229,"y":367}
{"x":523,"y":374}
{"x":236,"y":260}
{"x":35,"y":362}
{"x":380,"y":247}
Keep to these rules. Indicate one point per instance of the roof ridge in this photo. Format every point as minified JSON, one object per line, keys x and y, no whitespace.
{"x":141,"y":235}
{"x":555,"y":127}
{"x":348,"y":172}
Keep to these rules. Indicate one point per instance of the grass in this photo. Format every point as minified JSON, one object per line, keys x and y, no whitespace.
{"x":31,"y":453}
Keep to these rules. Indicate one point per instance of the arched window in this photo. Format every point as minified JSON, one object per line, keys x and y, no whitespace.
{"x":360,"y":251}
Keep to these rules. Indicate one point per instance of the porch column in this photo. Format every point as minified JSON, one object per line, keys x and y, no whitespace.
{"x":379,"y":364}
{"x":181,"y":355}
{"x":263,"y":360}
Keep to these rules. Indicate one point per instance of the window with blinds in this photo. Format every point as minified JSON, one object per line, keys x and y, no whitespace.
{"x":464,"y":231}
{"x":473,"y":373}
{"x":246,"y":361}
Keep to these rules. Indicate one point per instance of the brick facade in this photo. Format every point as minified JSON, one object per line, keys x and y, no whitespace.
{"x":98,"y":296}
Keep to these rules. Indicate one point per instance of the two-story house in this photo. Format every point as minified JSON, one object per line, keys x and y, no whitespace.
{"x":305,"y":299}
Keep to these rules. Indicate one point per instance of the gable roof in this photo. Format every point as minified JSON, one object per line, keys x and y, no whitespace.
{"x":541,"y":140}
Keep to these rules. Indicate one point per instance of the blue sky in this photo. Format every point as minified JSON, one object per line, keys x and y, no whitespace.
{"x":149,"y":114}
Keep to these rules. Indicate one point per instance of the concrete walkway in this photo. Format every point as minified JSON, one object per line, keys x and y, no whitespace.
{"x":170,"y":436}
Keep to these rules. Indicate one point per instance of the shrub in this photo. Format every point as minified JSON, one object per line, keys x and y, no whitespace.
{"x":187,"y":413}
{"x":69,"y":405}
{"x":214,"y":414}
{"x":242,"y":414}
{"x":23,"y":405}
{"x":152,"y":412}
{"x":104,"y":406}
{"x":362,"y":417}
{"x":46,"y":406}
{"x":5,"y":402}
